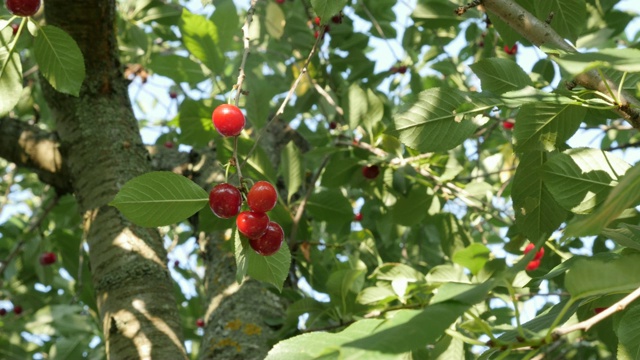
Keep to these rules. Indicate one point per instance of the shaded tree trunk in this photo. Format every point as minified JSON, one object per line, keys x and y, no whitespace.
{"x":103,"y":148}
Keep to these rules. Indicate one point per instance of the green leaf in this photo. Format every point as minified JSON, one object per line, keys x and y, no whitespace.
{"x":569,"y":16}
{"x":177,"y":68}
{"x":537,"y":212}
{"x":396,"y":271}
{"x":463,"y":293}
{"x":602,"y":274}
{"x":343,"y":282}
{"x":435,"y":15}
{"x":10,"y":77}
{"x":541,"y":323}
{"x":500,"y":75}
{"x":623,"y":59}
{"x":272,"y":269}
{"x":339,"y":171}
{"x":580,"y":179}
{"x":439,"y":120}
{"x":411,"y":209}
{"x":227,"y":22}
{"x":624,"y":196}
{"x":159,"y":198}
{"x":275,"y":20}
{"x":200,"y":37}
{"x":625,"y":235}
{"x":411,"y":329}
{"x":325,"y":9}
{"x":196,"y":127}
{"x":473,"y":257}
{"x":330,"y":205}
{"x":628,"y":332}
{"x":543,"y":126}
{"x":66,"y":348}
{"x":59,"y":59}
{"x":372,"y":295}
{"x":291,"y":169}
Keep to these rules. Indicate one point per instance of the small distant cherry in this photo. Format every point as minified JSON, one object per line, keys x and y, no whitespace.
{"x":538,"y":255}
{"x":228,"y":120}
{"x":337,"y":19}
{"x":333,"y":125}
{"x":280,"y":1}
{"x":168,"y":144}
{"x":23,"y":7}
{"x":533,"y":265}
{"x":358,"y":217}
{"x":371,"y":171}
{"x":270,"y":242}
{"x":3,"y":312}
{"x":598,"y":310}
{"x":508,"y":125}
{"x":252,"y":224}
{"x":402,"y":69}
{"x":511,"y":50}
{"x":15,"y":28}
{"x":200,"y":323}
{"x":317,"y":21}
{"x":173,"y":94}
{"x":17,"y":309}
{"x":176,"y":263}
{"x":47,"y":258}
{"x":262,"y":197}
{"x":225,"y":200}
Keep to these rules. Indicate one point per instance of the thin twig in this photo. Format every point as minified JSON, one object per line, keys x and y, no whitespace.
{"x":378,"y":28}
{"x":247,"y":50}
{"x":35,"y":223}
{"x":587,"y":324}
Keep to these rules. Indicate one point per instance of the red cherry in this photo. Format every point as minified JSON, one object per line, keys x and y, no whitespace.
{"x":316,"y":34}
{"x":337,"y":19}
{"x":317,"y":21}
{"x":371,"y":172}
{"x":402,"y":69}
{"x":3,"y":312}
{"x":228,"y":120}
{"x":599,"y":310}
{"x":47,"y":258}
{"x":168,"y":144}
{"x":333,"y":125}
{"x":176,"y":263}
{"x":262,"y":197}
{"x":270,"y":242}
{"x":358,"y":217}
{"x":173,"y":94}
{"x":15,"y":28}
{"x":539,"y":254}
{"x":23,"y":7}
{"x":533,"y":265}
{"x":17,"y":309}
{"x":225,"y":200}
{"x":280,"y":1}
{"x":200,"y":323}
{"x":508,"y":125}
{"x":252,"y":224}
{"x":511,"y":50}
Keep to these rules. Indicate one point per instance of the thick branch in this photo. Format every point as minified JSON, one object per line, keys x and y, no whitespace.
{"x":539,"y":33}
{"x":33,"y":148}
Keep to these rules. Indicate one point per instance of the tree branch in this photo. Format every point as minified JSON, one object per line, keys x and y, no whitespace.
{"x":539,"y":33}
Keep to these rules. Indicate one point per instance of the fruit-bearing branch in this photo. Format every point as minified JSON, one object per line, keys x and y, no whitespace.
{"x":540,"y":32}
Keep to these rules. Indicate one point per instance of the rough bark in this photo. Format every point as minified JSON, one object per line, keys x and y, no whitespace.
{"x":103,"y":150}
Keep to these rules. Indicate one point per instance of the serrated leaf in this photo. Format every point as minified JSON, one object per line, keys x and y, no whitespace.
{"x":625,"y":195}
{"x":159,"y":198}
{"x":473,"y":257}
{"x":272,"y":269}
{"x":603,"y":274}
{"x":569,"y":16}
{"x":537,"y":212}
{"x":291,"y":169}
{"x":10,"y":78}
{"x":580,"y":179}
{"x":200,"y":37}
{"x":624,"y":59}
{"x":325,"y":9}
{"x":500,"y":75}
{"x":439,"y":120}
{"x":59,"y":59}
{"x":544,"y":126}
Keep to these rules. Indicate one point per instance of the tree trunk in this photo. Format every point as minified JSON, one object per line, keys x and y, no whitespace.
{"x":101,"y":141}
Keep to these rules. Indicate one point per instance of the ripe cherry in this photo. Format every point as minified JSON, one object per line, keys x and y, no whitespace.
{"x":533,"y":265}
{"x":317,"y":21}
{"x":508,"y":125}
{"x":15,"y":28}
{"x":252,"y":224}
{"x":173,"y":94}
{"x":280,"y":1}
{"x":23,"y":7}
{"x":17,"y":309}
{"x":200,"y":323}
{"x":599,"y":310}
{"x":262,"y":197}
{"x":337,"y":19}
{"x":3,"y":312}
{"x":358,"y":217}
{"x":371,"y":172}
{"x":47,"y":258}
{"x":270,"y":242}
{"x":511,"y":50}
{"x":176,"y":263}
{"x":168,"y":144}
{"x":539,"y":254}
{"x":228,"y":120}
{"x":225,"y":200}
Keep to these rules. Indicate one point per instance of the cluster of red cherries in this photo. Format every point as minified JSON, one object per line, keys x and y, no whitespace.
{"x":265,"y":236}
{"x":535,"y":263}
